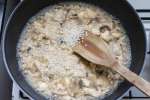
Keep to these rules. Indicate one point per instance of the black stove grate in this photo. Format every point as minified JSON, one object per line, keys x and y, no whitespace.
{"x":144,"y":11}
{"x":130,"y":96}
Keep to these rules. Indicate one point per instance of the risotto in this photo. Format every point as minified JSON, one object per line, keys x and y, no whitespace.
{"x":48,"y":62}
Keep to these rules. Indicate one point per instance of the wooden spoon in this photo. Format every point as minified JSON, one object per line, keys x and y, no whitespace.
{"x":96,"y":50}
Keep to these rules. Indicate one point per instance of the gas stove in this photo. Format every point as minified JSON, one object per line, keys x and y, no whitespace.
{"x":143,"y":9}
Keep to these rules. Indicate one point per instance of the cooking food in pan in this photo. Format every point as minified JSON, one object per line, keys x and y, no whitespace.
{"x":48,"y":62}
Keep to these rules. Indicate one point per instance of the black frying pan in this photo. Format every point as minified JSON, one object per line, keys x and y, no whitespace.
{"x":28,"y":8}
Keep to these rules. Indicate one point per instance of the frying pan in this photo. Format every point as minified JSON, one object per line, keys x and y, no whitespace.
{"x":120,"y":9}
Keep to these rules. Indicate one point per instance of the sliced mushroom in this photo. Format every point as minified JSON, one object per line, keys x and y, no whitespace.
{"x":106,"y":36}
{"x":104,"y":28}
{"x":105,"y":33}
{"x":87,"y":15}
{"x":116,"y":34}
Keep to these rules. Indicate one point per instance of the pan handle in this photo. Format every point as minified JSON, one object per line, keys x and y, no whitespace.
{"x":133,"y":78}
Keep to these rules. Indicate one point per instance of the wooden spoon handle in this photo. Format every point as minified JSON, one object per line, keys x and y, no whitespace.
{"x":133,"y":78}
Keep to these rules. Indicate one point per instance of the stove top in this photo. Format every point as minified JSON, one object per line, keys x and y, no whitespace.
{"x":143,"y":9}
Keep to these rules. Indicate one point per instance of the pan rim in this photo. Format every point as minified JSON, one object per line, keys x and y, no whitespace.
{"x":3,"y":49}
